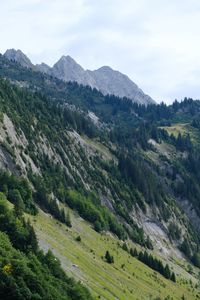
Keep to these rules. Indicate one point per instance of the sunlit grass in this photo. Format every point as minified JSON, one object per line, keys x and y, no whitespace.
{"x":126,"y":279}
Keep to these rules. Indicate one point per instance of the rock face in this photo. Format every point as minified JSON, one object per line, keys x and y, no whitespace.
{"x":105,"y":79}
{"x":44,"y":68}
{"x":113,"y":82}
{"x":19,"y":57}
{"x":68,"y":70}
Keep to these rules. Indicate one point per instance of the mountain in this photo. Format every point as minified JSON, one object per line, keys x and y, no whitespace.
{"x":44,"y":68}
{"x":68,"y":70}
{"x":109,"y":186}
{"x":113,"y":82}
{"x":19,"y":57}
{"x":104,"y":79}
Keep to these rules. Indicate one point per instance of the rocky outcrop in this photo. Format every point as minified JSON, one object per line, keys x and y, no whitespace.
{"x":19,"y":57}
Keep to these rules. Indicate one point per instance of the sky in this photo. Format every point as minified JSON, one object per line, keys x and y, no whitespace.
{"x":155,"y":42}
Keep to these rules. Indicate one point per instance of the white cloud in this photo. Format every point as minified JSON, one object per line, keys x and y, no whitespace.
{"x":155,"y":42}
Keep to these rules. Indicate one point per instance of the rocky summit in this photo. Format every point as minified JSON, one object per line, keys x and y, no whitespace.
{"x":18,"y":56}
{"x":104,"y":79}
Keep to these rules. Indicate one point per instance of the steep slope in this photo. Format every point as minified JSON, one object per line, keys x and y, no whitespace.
{"x":85,"y":176}
{"x":108,"y":109}
{"x":25,"y":271}
{"x":127,"y":278}
{"x":68,"y":70}
{"x":113,"y":82}
{"x":109,"y":159}
{"x":104,"y":79}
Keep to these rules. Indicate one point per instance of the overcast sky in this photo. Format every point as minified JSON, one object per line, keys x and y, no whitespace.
{"x":155,"y":42}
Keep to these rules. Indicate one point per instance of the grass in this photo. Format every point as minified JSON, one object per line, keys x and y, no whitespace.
{"x":100,"y":148}
{"x":176,"y":129}
{"x":83,"y":260}
{"x":184,"y":129}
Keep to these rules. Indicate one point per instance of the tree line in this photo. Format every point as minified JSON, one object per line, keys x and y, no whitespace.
{"x":151,"y":262}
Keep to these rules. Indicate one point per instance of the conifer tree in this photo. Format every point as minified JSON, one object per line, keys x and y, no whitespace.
{"x":173,"y":277}
{"x":68,"y":219}
{"x":109,"y":258}
{"x":167,"y":272}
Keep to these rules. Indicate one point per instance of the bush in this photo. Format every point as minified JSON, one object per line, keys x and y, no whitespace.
{"x":78,"y":238}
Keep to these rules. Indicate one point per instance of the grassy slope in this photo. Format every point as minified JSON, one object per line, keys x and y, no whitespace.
{"x":184,"y":129}
{"x":100,"y":148}
{"x":134,"y":281}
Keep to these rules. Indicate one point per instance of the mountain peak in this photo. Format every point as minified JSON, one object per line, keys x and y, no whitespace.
{"x":105,"y":68}
{"x":113,"y":82}
{"x":67,"y":58}
{"x":104,"y":79}
{"x":19,"y":57}
{"x":44,"y":68}
{"x":68,"y":69}
{"x":12,"y":52}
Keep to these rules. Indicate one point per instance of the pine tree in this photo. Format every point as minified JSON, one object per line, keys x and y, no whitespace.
{"x":125,"y":247}
{"x":134,"y":252}
{"x":185,"y":247}
{"x":141,"y":256}
{"x":109,"y":258}
{"x":151,"y":259}
{"x":97,"y":226}
{"x":32,"y":239}
{"x":173,"y":277}
{"x":68,"y":219}
{"x":146,"y":258}
{"x":160,"y":267}
{"x":149,"y":243}
{"x":167,"y":272}
{"x":18,"y":203}
{"x":196,"y":259}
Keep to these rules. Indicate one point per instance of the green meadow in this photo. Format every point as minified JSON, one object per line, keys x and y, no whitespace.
{"x":126,"y":279}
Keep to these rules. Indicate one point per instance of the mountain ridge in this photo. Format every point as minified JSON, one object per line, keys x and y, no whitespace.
{"x":104,"y":79}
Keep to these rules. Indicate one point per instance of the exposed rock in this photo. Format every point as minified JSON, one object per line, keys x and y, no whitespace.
{"x":93,"y":117}
{"x":105,"y":79}
{"x":44,"y":68}
{"x":19,"y":57}
{"x":68,"y":70}
{"x":112,"y":82}
{"x":191,"y":213}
